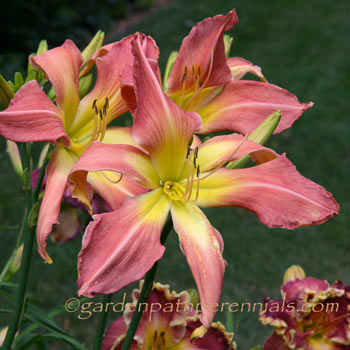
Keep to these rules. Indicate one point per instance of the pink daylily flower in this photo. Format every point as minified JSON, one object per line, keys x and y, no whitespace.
{"x":203,"y":80}
{"x":73,"y":124}
{"x":314,"y":315}
{"x":166,"y":323}
{"x":120,"y":247}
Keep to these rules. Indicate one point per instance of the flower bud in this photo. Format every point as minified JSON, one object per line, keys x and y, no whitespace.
{"x":259,"y":135}
{"x":228,"y":40}
{"x":15,"y":158}
{"x":6,"y":92}
{"x":85,"y":84}
{"x":93,"y":46}
{"x":169,"y":66}
{"x":293,"y":272}
{"x":16,"y":262}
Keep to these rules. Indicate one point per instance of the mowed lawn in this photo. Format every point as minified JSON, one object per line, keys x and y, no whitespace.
{"x":302,"y":46}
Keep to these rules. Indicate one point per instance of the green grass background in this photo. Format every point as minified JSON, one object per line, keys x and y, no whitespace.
{"x":302,"y":46}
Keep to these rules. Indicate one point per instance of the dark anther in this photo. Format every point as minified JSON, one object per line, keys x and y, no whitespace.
{"x":199,"y":71}
{"x":184,"y":76}
{"x":94,"y":104}
{"x":196,"y":152}
{"x":107,"y":102}
{"x":198,"y":171}
{"x":104,"y":110}
{"x":96,"y":110}
{"x":201,"y":84}
{"x":188,"y":152}
{"x":101,"y":116}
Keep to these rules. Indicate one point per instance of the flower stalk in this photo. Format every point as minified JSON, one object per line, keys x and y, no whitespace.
{"x":101,"y":323}
{"x":145,"y":292}
{"x":29,"y":234}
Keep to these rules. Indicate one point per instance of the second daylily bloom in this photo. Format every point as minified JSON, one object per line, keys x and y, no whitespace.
{"x":121,"y":246}
{"x":313,"y":315}
{"x":203,"y":80}
{"x":73,"y":124}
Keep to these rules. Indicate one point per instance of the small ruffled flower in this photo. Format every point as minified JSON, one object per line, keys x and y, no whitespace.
{"x":313,"y":315}
{"x":166,"y":323}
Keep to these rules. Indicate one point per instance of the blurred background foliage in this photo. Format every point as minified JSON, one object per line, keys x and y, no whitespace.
{"x":25,"y":23}
{"x":302,"y":46}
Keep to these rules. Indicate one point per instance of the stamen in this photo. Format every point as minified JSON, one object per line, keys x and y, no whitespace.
{"x":198,"y":180}
{"x":94,"y":104}
{"x":227,"y":159}
{"x":111,"y":181}
{"x":103,"y":129}
{"x":195,"y":157}
{"x":94,"y":131}
{"x":197,"y":91}
{"x":183,"y":86}
{"x":196,"y":152}
{"x":188,"y":152}
{"x":190,"y":186}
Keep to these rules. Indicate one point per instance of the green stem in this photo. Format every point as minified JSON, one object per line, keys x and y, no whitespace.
{"x":29,"y":234}
{"x":145,"y":293}
{"x":101,"y":323}
{"x":41,"y":175}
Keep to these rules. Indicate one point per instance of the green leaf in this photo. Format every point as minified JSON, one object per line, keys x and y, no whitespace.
{"x":39,"y":317}
{"x":229,"y":322}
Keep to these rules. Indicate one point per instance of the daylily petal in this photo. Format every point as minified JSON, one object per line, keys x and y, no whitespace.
{"x":160,"y":126}
{"x":243,"y":105}
{"x":202,"y":245}
{"x":114,"y":193}
{"x":275,"y":191}
{"x":148,"y":45}
{"x":61,"y":65}
{"x":102,"y":51}
{"x":107,"y":86}
{"x":125,"y":159}
{"x":116,"y":331}
{"x":120,"y":247}
{"x":56,"y":181}
{"x":69,"y":226}
{"x":275,"y":342}
{"x":221,"y":149}
{"x":119,"y":136}
{"x":32,"y":116}
{"x":240,"y":67}
{"x":203,"y":49}
{"x":216,"y":338}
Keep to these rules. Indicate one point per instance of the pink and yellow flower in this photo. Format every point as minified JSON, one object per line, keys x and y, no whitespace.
{"x":203,"y":80}
{"x":167,"y":323}
{"x":313,"y":315}
{"x":120,"y":247}
{"x":73,"y":124}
